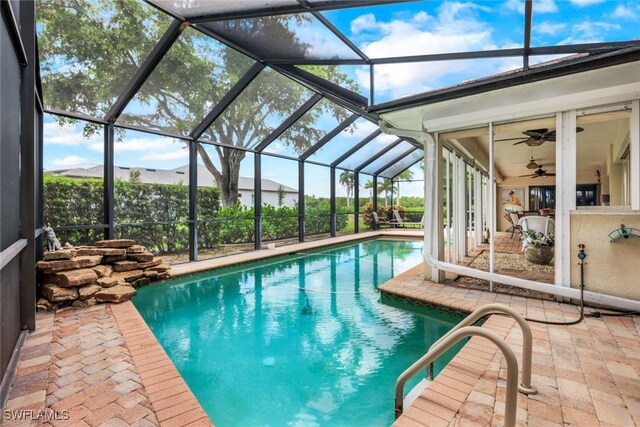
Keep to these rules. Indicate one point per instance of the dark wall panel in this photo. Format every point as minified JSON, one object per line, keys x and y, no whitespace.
{"x":9,"y":193}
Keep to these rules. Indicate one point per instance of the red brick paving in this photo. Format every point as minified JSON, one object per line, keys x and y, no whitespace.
{"x":81,"y":366}
{"x":587,"y":374}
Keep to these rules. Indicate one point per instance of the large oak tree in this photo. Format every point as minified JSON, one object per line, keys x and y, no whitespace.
{"x":89,"y":50}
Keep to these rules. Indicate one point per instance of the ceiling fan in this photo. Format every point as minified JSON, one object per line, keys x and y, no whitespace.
{"x":539,"y":172}
{"x":532,"y":164}
{"x":536,"y":137}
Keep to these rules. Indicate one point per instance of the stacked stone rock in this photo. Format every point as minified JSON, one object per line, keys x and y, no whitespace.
{"x":107,"y":271}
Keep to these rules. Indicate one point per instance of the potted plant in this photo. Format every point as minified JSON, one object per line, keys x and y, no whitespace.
{"x":539,"y":248}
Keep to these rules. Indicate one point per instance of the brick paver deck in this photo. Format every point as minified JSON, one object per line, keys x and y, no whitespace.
{"x":586,"y":374}
{"x":99,"y":366}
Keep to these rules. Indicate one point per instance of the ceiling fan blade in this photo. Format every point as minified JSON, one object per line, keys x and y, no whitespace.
{"x":550,"y":174}
{"x":535,"y":176}
{"x":509,"y":139}
{"x":536,"y":132}
{"x":524,"y":176}
{"x":579,"y":129}
{"x":522,"y":142}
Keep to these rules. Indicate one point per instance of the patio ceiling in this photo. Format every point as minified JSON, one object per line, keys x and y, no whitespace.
{"x":215,"y":26}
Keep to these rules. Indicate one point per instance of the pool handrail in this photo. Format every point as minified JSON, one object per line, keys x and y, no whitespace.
{"x":525,"y":386}
{"x":445,"y":344}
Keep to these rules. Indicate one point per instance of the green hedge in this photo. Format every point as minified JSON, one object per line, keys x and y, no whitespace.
{"x":74,"y":201}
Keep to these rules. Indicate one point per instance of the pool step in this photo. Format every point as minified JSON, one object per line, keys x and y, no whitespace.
{"x":416,"y":392}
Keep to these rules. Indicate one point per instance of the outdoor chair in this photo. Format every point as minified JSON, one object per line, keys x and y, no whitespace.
{"x":515,"y":224}
{"x":541,"y":224}
{"x":379,"y":222}
{"x":397,"y":220}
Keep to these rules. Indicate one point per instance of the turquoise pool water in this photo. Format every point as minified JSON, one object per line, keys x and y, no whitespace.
{"x":300,"y":340}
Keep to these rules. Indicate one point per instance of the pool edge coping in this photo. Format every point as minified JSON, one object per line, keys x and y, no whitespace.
{"x":446,"y":394}
{"x":190,"y":268}
{"x":159,"y":376}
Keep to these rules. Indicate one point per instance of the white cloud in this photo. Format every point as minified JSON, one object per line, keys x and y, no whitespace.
{"x":626,"y":12}
{"x":68,"y":134}
{"x":589,"y":32}
{"x":163,"y":156}
{"x":539,"y":6}
{"x":363,"y":22}
{"x":456,"y":27}
{"x":71,"y":161}
{"x":586,"y":2}
{"x":549,"y":28}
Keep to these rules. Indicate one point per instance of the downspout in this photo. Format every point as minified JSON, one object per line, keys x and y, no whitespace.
{"x":430,"y":217}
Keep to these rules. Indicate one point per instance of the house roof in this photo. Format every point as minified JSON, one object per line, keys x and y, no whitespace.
{"x":178,"y":175}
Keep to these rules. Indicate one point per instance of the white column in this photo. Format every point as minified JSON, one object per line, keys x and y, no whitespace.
{"x":634,"y":155}
{"x":565,"y":193}
{"x":432,"y":207}
{"x":492,"y":204}
{"x":477,"y":214}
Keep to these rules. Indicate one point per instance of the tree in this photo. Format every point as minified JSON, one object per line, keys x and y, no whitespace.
{"x":369,"y":186}
{"x":385,"y":187}
{"x":281,"y":195}
{"x":89,"y":49}
{"x":346,"y":179}
{"x":406,"y":175}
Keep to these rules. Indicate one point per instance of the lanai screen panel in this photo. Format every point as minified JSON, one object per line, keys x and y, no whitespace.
{"x":263,"y":105}
{"x":342,"y":142}
{"x":189,"y":81}
{"x":387,"y":157}
{"x":293,"y":36}
{"x":190,"y":9}
{"x":116,"y":36}
{"x":309,"y":129}
{"x":403,"y":164}
{"x":368,"y":151}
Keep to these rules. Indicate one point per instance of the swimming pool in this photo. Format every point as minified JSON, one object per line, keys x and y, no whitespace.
{"x":295,"y":340}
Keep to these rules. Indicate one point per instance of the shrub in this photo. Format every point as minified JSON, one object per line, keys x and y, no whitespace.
{"x":383,"y":211}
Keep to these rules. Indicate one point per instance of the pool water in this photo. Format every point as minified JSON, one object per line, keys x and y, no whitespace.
{"x":300,"y":340}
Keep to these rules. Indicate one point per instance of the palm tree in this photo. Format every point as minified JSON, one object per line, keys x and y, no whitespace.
{"x":407,"y":175}
{"x":369,"y":186}
{"x":385,"y":187}
{"x":346,"y":180}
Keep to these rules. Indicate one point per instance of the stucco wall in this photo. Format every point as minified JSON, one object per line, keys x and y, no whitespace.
{"x":612,"y":268}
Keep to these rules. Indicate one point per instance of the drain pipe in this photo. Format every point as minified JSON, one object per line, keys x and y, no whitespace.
{"x":431,"y":233}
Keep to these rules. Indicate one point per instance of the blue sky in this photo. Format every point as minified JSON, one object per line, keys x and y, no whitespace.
{"x":392,"y":30}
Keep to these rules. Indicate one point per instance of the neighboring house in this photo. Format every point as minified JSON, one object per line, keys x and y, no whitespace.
{"x":181,"y":176}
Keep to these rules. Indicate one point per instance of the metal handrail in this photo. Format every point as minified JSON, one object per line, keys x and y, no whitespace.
{"x":445,"y":344}
{"x":527,"y":340}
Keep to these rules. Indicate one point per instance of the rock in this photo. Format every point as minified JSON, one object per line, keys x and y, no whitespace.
{"x":151,"y":263}
{"x":141,"y":281}
{"x":108,"y":259}
{"x":117,"y":294}
{"x":44,"y":305}
{"x":70,"y":264}
{"x":161,"y":268}
{"x":151,"y":274}
{"x":79,"y":277}
{"x":58,"y":255}
{"x":116,"y":243}
{"x":103,"y":270}
{"x":107,"y":282}
{"x":88,"y":291}
{"x":136,"y":249}
{"x":141,"y":257}
{"x":127,"y":276}
{"x":58,"y":294}
{"x":89,"y":250}
{"x":164,"y":276}
{"x":125,"y":265}
{"x":84,"y":303}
